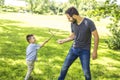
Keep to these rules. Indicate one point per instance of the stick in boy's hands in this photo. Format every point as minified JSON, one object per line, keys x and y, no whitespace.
{"x":49,"y":38}
{"x":53,"y":34}
{"x":46,"y":41}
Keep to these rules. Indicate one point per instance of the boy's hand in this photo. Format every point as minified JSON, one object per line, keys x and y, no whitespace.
{"x":46,"y":40}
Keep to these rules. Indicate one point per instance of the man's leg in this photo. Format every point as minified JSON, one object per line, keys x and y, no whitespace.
{"x":68,"y":61}
{"x":30,"y":69}
{"x":85,"y":61}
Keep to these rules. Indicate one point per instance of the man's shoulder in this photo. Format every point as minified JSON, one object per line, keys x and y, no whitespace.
{"x":88,"y":19}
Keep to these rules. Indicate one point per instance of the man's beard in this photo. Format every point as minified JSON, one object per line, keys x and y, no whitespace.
{"x":74,"y":20}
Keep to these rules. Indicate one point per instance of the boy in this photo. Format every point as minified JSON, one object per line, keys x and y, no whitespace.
{"x":31,"y":53}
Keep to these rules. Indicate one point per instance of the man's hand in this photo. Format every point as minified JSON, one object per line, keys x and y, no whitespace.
{"x":94,"y":55}
{"x":61,"y":41}
{"x":70,"y":38}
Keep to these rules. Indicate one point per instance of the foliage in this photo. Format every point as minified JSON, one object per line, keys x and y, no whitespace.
{"x":75,"y":2}
{"x":43,"y":6}
{"x":111,"y":10}
{"x":2,"y":2}
{"x":52,"y":7}
{"x":10,"y":9}
{"x":57,"y":8}
{"x":114,"y":40}
{"x":84,"y":6}
{"x":33,"y":4}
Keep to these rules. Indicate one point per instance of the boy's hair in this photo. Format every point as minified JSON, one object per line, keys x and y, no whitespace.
{"x":28,"y":37}
{"x":71,"y":11}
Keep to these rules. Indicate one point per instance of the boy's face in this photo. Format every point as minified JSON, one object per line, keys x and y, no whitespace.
{"x":32,"y":39}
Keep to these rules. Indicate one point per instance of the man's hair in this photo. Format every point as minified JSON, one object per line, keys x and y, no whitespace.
{"x":28,"y":37}
{"x":71,"y":11}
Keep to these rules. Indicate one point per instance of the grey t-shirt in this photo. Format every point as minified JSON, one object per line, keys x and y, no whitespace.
{"x":31,"y":52}
{"x":83,"y":33}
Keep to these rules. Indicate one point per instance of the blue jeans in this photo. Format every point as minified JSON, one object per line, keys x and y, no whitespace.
{"x":84,"y":56}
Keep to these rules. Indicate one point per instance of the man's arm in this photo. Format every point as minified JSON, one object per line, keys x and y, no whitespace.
{"x":70,"y":38}
{"x":96,"y":41}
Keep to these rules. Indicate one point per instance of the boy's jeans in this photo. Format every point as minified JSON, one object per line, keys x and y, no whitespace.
{"x":84,"y":56}
{"x":30,"y":65}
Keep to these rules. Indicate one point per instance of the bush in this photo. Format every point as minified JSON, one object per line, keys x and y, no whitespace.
{"x":114,"y":40}
{"x":111,"y":9}
{"x":12,"y":9}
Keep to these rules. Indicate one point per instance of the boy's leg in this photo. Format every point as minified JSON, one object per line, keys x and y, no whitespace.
{"x":68,"y":61}
{"x":85,"y":61}
{"x":30,"y":69}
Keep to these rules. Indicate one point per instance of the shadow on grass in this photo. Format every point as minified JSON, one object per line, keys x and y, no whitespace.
{"x":13,"y":45}
{"x":50,"y":58}
{"x":113,"y":54}
{"x":108,"y":66}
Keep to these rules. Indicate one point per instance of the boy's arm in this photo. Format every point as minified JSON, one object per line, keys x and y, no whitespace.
{"x":46,"y":41}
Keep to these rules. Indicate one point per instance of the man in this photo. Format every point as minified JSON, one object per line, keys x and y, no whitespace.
{"x":82,"y":30}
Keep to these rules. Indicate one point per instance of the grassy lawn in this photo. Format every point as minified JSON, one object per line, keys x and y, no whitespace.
{"x":50,"y":57}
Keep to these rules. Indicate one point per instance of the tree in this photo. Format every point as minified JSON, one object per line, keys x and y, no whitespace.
{"x":33,"y":4}
{"x":84,"y":6}
{"x":38,"y":6}
{"x":112,"y":10}
{"x":2,"y":2}
{"x":75,"y":2}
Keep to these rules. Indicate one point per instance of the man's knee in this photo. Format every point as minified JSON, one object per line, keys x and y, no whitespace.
{"x":65,"y":67}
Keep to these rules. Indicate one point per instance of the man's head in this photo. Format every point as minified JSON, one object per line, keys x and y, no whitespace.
{"x":72,"y":14}
{"x":30,"y":38}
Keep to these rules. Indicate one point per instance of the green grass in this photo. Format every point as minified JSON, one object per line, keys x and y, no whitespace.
{"x":50,"y":57}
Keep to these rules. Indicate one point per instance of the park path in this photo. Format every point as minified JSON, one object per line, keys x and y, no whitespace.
{"x":50,"y":21}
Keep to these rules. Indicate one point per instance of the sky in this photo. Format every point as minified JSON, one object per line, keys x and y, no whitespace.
{"x":21,"y":3}
{"x":118,"y":1}
{"x":15,"y":3}
{"x":60,"y":0}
